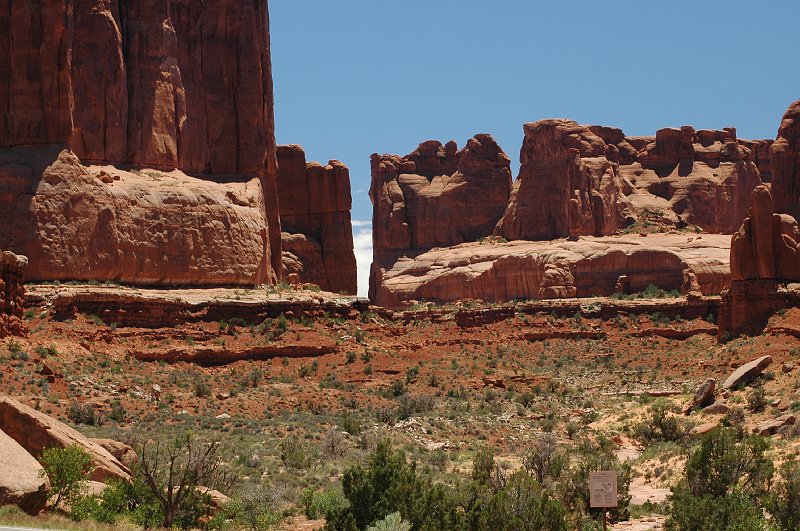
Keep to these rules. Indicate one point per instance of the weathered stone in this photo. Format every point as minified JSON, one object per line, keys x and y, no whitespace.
{"x":148,"y":84}
{"x":717,"y":408}
{"x":12,"y":294}
{"x":317,"y":234}
{"x":771,"y":427}
{"x":748,"y":372}
{"x":785,"y":159}
{"x":704,"y":396}
{"x":436,"y":196}
{"x":121,"y":451}
{"x":702,"y":429}
{"x":22,"y":479}
{"x":35,"y":431}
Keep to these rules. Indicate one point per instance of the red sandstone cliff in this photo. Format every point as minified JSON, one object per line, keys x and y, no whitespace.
{"x":12,"y":294}
{"x":160,"y":84}
{"x":765,"y":250}
{"x":315,"y":207}
{"x":575,"y":181}
{"x":437,"y":196}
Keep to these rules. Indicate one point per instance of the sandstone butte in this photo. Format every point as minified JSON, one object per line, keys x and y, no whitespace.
{"x":136,"y":147}
{"x":439,"y":213}
{"x":317,"y":233}
{"x":764,"y":251}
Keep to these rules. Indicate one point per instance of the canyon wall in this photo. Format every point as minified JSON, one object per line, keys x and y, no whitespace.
{"x":317,"y":234}
{"x":136,"y":144}
{"x":12,"y":294}
{"x":437,"y":196}
{"x":575,"y":181}
{"x":766,"y":248}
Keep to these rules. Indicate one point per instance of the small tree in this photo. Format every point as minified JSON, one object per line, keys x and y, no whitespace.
{"x":785,"y":502}
{"x":544,"y":460}
{"x":724,"y":482}
{"x":68,"y":470}
{"x":522,"y":504}
{"x":173,"y":472}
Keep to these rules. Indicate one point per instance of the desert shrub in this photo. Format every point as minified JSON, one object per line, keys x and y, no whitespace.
{"x":724,"y":481}
{"x":294,"y":453}
{"x":318,"y":503}
{"x":784,"y":503}
{"x":393,"y":522}
{"x":522,"y":504}
{"x":68,"y":470}
{"x":256,"y":508}
{"x":84,"y":414}
{"x":661,"y":424}
{"x":757,"y":399}
{"x":388,"y":484}
{"x":544,"y":460}
{"x":409,"y":405}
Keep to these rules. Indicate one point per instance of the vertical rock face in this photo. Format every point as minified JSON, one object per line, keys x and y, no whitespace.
{"x":765,"y":250}
{"x":315,"y":207}
{"x":437,"y":196}
{"x":567,"y":185}
{"x":162,"y":84}
{"x":12,"y":294}
{"x":785,"y":158}
{"x":574,"y":181}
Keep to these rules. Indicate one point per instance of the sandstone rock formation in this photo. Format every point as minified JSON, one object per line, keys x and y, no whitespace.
{"x":746,"y":373}
{"x":22,"y":482}
{"x":315,"y":207}
{"x":785,"y":159}
{"x":437,"y":196}
{"x":764,"y":252}
{"x":12,"y":294}
{"x":567,"y":186}
{"x":557,"y":269}
{"x":35,"y":431}
{"x":574,"y":181}
{"x":142,"y":84}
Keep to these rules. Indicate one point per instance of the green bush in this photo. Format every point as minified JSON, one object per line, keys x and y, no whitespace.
{"x":661,"y":424}
{"x":391,"y":484}
{"x":318,"y":503}
{"x":68,"y":470}
{"x":784,"y":503}
{"x":522,"y":504}
{"x":725,"y":480}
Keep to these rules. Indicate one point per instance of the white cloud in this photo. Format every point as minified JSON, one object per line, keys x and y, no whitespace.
{"x":362,"y":242}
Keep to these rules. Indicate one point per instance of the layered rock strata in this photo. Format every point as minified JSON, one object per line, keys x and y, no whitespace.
{"x":12,"y":294}
{"x":575,"y":181}
{"x":437,"y":196}
{"x":146,"y":84}
{"x":591,"y":266}
{"x":317,"y":237}
{"x":765,"y":250}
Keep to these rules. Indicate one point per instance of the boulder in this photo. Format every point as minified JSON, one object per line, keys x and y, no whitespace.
{"x":717,"y":408}
{"x":702,"y":429}
{"x":22,"y":479}
{"x":771,"y":427}
{"x":748,"y":372}
{"x":315,"y":207}
{"x":35,"y":431}
{"x":704,"y":396}
{"x":148,"y":85}
{"x":121,"y":451}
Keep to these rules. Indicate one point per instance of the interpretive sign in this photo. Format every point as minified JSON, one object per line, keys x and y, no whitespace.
{"x":603,"y":489}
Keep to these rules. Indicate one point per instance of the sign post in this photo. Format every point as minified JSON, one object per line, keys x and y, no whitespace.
{"x":603,"y":491}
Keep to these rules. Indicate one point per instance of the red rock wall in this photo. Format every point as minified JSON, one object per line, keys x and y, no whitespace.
{"x":12,"y":294}
{"x":765,"y":250}
{"x":148,"y":83}
{"x":785,"y":158}
{"x":437,"y":196}
{"x":315,"y":205}
{"x":567,"y":186}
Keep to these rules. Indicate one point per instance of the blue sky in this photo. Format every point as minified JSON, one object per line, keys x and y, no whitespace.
{"x":353,"y":77}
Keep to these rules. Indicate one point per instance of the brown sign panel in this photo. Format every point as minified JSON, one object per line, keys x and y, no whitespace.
{"x":603,"y":488}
